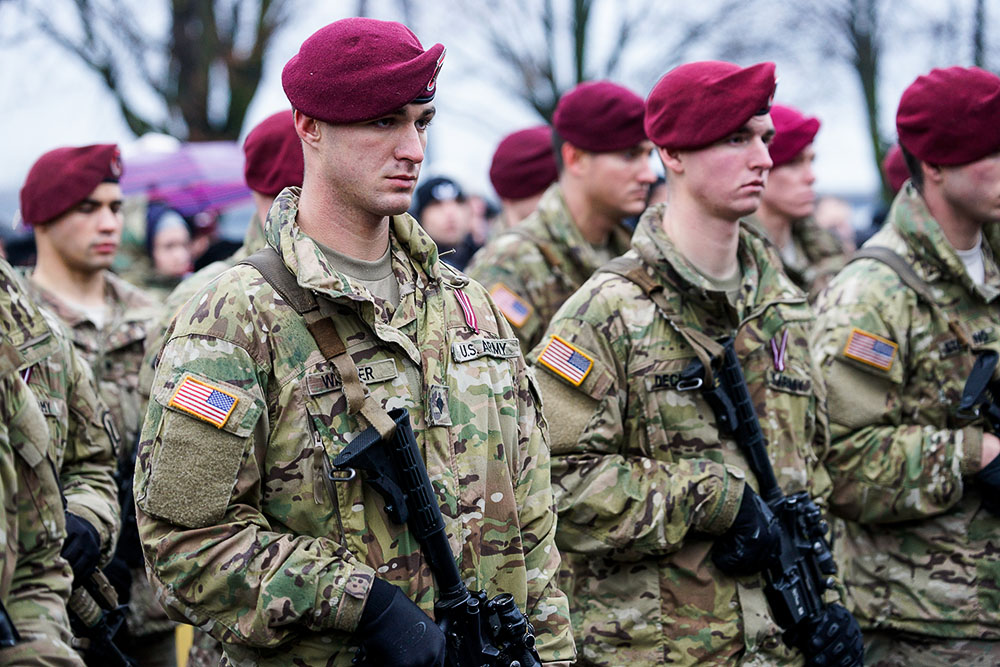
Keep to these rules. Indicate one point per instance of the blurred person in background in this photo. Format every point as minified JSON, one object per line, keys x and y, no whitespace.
{"x":604,"y":177}
{"x":169,"y":247}
{"x":72,"y":200}
{"x":523,"y":167}
{"x":441,"y":208}
{"x":810,"y":254}
{"x":834,"y":214}
{"x":896,"y":173}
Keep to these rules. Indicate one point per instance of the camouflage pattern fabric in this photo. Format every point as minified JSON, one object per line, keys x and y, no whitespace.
{"x":532,"y":269}
{"x":921,"y":550}
{"x":240,"y":520}
{"x":642,"y":476}
{"x":898,"y":649}
{"x":34,"y":580}
{"x":157,"y":329}
{"x":83,"y":443}
{"x":819,"y":255}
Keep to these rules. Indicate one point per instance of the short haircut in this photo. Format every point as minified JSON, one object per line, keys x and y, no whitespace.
{"x":913,"y":166}
{"x":557,"y":144}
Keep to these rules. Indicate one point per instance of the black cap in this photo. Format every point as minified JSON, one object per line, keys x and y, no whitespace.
{"x":433,"y":190}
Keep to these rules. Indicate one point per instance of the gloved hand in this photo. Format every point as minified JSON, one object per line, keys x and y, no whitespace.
{"x":834,"y":640}
{"x":394,"y":631}
{"x":82,"y":547}
{"x":988,"y":480}
{"x":751,"y":541}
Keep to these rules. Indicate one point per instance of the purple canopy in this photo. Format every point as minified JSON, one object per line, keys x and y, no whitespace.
{"x":202,"y":176}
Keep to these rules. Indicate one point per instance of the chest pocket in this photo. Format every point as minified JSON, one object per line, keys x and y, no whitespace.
{"x":39,"y":497}
{"x":678,"y":423}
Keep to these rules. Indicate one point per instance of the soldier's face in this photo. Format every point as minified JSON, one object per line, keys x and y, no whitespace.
{"x":617,"y":183}
{"x":372,"y":167}
{"x":86,"y":237}
{"x":973,"y":190}
{"x":727,"y":179}
{"x":789,"y":190}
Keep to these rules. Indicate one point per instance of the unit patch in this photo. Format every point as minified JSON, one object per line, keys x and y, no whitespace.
{"x":566,"y":360}
{"x":870,"y":349}
{"x":514,"y":308}
{"x":377,"y":371}
{"x":788,"y":383}
{"x":502,"y":348}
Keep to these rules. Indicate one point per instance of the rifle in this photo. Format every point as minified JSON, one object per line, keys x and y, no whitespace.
{"x":796,"y":579}
{"x":980,"y":392}
{"x":9,"y":636}
{"x":479,"y":631}
{"x":95,"y":617}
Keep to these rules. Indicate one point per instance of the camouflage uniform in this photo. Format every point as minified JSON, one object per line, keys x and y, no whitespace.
{"x":115,"y":353}
{"x":241,"y":524}
{"x":83,"y":446}
{"x":531,"y":269}
{"x":819,"y":255}
{"x":643,"y":478}
{"x":921,"y":552}
{"x":35,"y":581}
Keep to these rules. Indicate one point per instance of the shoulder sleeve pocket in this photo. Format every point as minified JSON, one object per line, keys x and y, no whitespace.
{"x":198,"y":449}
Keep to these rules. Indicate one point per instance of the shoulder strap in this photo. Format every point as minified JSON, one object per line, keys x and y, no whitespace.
{"x":895,"y":261}
{"x":359,"y":400}
{"x":632,"y":269}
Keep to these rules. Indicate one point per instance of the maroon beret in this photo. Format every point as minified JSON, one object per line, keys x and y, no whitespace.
{"x":524,"y":164}
{"x":358,"y":69}
{"x":951,"y":116}
{"x":600,"y":116}
{"x":793,"y":131}
{"x":273,"y":155}
{"x":894,"y":166}
{"x":64,"y":177}
{"x":697,"y":104}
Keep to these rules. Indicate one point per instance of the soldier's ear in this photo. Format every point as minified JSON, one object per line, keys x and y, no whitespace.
{"x":309,"y":129}
{"x":931,"y":172}
{"x":572,"y":157}
{"x":672,"y":160}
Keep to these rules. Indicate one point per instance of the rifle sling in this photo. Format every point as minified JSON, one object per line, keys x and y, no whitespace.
{"x":704,"y":347}
{"x":894,"y":261}
{"x":321,"y":327}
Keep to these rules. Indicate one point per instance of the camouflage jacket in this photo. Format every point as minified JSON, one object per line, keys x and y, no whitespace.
{"x":35,"y":581}
{"x":157,"y":329}
{"x":531,"y":269}
{"x":83,"y":445}
{"x":819,"y":255}
{"x":921,"y":550}
{"x":642,"y":476}
{"x":114,"y":351}
{"x":239,"y":518}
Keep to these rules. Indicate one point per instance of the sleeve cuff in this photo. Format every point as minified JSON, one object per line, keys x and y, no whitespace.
{"x":719,"y":518}
{"x":107,"y":539}
{"x":972,"y":451}
{"x":354,"y":585}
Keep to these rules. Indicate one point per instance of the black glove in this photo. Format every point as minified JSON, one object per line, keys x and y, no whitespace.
{"x":751,"y":542}
{"x":988,"y":480}
{"x":394,"y":631}
{"x":834,"y":640}
{"x":82,"y":547}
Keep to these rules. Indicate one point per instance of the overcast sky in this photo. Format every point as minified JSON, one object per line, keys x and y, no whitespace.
{"x":48,"y":100}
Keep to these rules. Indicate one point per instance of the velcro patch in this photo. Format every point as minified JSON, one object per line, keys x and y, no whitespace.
{"x":204,"y":401}
{"x":566,"y":360}
{"x":377,"y":371}
{"x":514,"y":308}
{"x":788,"y":383}
{"x":871,"y":349}
{"x":503,"y":348}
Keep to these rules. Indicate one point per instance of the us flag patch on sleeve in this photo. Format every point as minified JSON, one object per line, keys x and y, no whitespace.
{"x":204,"y":401}
{"x":514,"y":308}
{"x":566,"y":360}
{"x":870,"y":349}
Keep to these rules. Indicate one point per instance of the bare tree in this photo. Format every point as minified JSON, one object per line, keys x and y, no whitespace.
{"x":538,"y":49}
{"x":204,"y":69}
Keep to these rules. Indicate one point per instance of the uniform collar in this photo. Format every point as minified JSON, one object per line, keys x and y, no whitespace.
{"x":554,"y":216}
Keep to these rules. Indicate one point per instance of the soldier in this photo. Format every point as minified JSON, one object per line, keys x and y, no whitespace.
{"x":253,"y":534}
{"x":811,"y":255}
{"x":897,"y":336}
{"x":659,"y":520}
{"x":604,"y":176}
{"x":273,"y":162}
{"x":72,"y":200}
{"x":74,"y":440}
{"x":443,"y":211}
{"x":522,"y":169}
